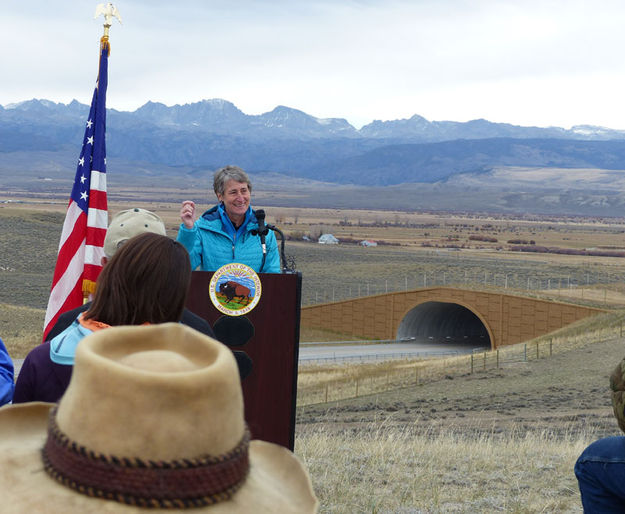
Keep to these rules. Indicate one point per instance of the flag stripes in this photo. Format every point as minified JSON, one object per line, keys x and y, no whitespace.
{"x":82,"y":238}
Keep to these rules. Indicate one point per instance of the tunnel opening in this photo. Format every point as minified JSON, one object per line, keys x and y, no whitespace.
{"x":444,"y":323}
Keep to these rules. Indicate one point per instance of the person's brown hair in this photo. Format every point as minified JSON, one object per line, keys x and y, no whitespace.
{"x":146,"y":281}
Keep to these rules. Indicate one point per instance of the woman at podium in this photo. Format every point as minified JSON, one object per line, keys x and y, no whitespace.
{"x":230,"y":231}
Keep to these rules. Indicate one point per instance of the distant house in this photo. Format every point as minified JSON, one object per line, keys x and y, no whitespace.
{"x":368,"y":242}
{"x":328,"y":239}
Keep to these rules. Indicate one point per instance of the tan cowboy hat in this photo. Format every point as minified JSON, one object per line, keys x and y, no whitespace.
{"x":152,"y":417}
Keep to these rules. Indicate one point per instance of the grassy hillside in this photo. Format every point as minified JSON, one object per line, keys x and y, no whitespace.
{"x":500,"y":440}
{"x":504,"y":439}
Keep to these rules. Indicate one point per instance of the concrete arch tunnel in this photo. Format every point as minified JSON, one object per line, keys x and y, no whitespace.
{"x":444,"y":322}
{"x":441,"y":312}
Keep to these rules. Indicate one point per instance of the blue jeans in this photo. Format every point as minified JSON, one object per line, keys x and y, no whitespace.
{"x":600,"y":472}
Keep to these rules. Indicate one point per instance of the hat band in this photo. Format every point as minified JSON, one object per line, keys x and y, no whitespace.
{"x":179,"y":484}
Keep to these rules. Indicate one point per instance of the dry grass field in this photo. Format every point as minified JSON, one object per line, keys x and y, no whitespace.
{"x":387,"y":469}
{"x":30,"y":227}
{"x":502,"y":439}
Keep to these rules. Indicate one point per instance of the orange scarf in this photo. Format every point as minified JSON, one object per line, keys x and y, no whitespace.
{"x":92,"y":324}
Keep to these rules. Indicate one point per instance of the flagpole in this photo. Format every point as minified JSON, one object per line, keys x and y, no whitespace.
{"x":109,"y":11}
{"x":79,"y":259}
{"x":97,"y":213}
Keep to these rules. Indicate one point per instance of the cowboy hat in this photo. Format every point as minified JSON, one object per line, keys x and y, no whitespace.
{"x":152,"y":417}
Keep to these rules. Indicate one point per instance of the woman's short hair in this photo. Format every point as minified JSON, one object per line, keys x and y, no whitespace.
{"x":223,"y":175}
{"x":146,"y":281}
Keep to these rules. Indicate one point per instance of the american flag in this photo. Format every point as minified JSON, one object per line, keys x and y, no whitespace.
{"x":82,"y":240}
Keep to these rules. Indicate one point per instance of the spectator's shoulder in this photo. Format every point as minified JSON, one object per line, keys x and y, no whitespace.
{"x":39,"y":352}
{"x":66,"y":319}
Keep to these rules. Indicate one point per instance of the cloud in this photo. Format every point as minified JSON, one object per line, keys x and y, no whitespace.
{"x":533,"y":62}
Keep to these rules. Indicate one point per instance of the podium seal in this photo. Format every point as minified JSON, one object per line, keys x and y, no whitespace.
{"x":235,"y":289}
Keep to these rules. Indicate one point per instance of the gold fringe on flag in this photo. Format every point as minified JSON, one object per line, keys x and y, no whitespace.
{"x":104,"y":44}
{"x":88,"y":288}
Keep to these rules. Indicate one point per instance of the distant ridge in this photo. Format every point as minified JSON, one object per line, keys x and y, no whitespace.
{"x":211,"y":133}
{"x":223,"y":117}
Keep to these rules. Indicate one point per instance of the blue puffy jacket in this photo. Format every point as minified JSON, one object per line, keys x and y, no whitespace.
{"x":6,"y":375}
{"x":211,"y":245}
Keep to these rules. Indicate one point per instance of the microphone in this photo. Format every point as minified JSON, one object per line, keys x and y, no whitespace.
{"x":262,"y":229}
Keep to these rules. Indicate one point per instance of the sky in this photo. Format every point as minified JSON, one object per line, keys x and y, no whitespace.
{"x":527,"y":62}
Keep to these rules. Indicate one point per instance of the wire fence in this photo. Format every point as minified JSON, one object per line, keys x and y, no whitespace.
{"x":468,"y":274}
{"x":514,"y":283}
{"x":323,"y":385}
{"x":375,"y":357}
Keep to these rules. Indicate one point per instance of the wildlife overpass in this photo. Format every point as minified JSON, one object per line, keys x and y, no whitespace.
{"x":445,"y":314}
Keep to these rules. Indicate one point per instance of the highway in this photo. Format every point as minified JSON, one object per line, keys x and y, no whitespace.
{"x":323,"y":352}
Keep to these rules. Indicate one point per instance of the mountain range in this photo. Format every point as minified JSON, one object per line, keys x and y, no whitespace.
{"x":187,"y":139}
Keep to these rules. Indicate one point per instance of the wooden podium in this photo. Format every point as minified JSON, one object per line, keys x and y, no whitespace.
{"x":270,"y":389}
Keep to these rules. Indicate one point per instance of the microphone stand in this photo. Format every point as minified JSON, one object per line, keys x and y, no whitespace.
{"x":285,"y":268}
{"x":263,"y":230}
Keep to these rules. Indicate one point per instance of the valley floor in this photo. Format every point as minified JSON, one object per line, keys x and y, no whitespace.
{"x":500,"y":440}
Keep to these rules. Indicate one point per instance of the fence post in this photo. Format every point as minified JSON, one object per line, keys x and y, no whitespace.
{"x":326,"y":394}
{"x":356,"y":388}
{"x":550,"y":347}
{"x":525,"y":352}
{"x":471,"y":363}
{"x":497,"y":358}
{"x":484,"y":360}
{"x":537,"y":354}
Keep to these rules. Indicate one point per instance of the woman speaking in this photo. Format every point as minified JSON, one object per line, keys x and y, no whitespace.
{"x":228,"y":232}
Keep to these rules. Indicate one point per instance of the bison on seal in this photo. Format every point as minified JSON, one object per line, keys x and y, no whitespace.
{"x":232,"y":289}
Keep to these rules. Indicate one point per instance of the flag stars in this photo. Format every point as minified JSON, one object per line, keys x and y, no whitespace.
{"x":71,"y":269}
